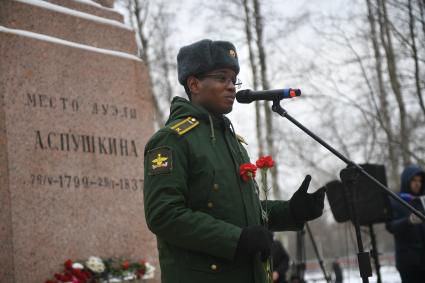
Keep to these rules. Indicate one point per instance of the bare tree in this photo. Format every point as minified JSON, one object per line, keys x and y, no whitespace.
{"x":386,"y":41}
{"x":164,"y":68}
{"x":389,"y":75}
{"x":258,"y":23}
{"x":152,"y":23}
{"x":415,"y":55}
{"x":254,"y":72}
{"x":384,"y":117}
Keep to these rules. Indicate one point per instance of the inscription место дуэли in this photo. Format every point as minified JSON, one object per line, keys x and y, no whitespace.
{"x":66,"y":104}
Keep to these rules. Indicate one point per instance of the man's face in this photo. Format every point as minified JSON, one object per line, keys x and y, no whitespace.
{"x":215,"y":90}
{"x":416,"y":184}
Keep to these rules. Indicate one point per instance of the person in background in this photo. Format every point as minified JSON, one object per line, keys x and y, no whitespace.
{"x":337,"y":271}
{"x":408,"y":229}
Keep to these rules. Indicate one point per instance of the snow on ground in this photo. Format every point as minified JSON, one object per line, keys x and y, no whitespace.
{"x":92,"y":3}
{"x":75,"y":13}
{"x":56,"y":40}
{"x":389,"y":274}
{"x":89,"y":2}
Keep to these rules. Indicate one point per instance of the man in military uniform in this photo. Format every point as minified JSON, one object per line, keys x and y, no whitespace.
{"x":208,"y":220}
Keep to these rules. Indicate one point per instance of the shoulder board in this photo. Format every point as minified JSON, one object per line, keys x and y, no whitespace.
{"x":184,"y":126}
{"x":241,"y":139}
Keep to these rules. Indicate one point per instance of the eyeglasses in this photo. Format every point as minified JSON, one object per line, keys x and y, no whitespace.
{"x":224,"y":79}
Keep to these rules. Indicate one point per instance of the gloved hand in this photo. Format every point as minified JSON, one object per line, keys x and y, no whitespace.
{"x":255,"y":239}
{"x":304,"y":206}
{"x":413,"y":219}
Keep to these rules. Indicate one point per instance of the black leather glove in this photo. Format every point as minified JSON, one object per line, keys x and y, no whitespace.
{"x":255,"y":239}
{"x":304,"y":206}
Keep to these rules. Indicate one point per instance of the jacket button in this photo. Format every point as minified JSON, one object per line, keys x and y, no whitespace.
{"x":210,"y":204}
{"x":214,"y":267}
{"x":216,"y":187}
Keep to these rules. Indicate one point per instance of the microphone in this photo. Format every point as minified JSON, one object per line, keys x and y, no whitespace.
{"x":248,"y":96}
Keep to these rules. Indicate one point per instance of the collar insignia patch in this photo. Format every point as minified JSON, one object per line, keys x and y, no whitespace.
{"x":184,"y":126}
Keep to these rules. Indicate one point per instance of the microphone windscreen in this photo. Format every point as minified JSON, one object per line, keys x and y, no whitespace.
{"x":243,"y":96}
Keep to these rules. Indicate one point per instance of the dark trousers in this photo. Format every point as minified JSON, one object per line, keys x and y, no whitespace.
{"x":412,"y":276}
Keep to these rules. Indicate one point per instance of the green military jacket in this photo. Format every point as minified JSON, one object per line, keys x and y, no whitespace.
{"x":196,"y":203}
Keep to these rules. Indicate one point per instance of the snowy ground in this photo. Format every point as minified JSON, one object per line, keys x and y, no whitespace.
{"x":389,"y":274}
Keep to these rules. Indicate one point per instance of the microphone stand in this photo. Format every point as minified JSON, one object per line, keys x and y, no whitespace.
{"x":375,"y":253}
{"x":316,"y":251}
{"x":349,"y":179}
{"x":349,"y":176}
{"x":300,"y":266}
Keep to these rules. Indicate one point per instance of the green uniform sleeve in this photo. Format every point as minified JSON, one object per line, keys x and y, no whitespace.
{"x":167,"y":215}
{"x":280,"y":216}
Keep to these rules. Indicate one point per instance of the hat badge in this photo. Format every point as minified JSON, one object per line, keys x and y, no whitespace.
{"x":232,"y":53}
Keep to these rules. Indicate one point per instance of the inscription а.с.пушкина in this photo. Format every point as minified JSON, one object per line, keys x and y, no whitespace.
{"x":74,"y":105}
{"x":71,"y":142}
{"x":86,"y":182}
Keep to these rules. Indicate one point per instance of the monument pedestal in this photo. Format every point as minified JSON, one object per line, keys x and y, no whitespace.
{"x":75,"y":114}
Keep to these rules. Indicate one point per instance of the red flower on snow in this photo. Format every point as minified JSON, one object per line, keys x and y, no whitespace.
{"x":265,"y":162}
{"x":125,"y":265}
{"x":247,"y":171}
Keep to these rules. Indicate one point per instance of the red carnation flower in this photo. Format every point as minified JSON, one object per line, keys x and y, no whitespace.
{"x":68,"y":264}
{"x":265,"y":162}
{"x":82,"y":277}
{"x":247,"y":171}
{"x":68,"y":274}
{"x":87,"y":274}
{"x":62,"y":277}
{"x":125,"y":265}
{"x":140,"y":273}
{"x":79,"y":274}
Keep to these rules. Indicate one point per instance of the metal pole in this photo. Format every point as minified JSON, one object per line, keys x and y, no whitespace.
{"x":319,"y":258}
{"x":374,"y":252}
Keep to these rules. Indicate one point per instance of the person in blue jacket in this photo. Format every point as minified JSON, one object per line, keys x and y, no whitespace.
{"x":408,"y":229}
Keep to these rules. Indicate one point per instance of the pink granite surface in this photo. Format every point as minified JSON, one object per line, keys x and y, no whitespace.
{"x":6,"y":237}
{"x":53,"y":97}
